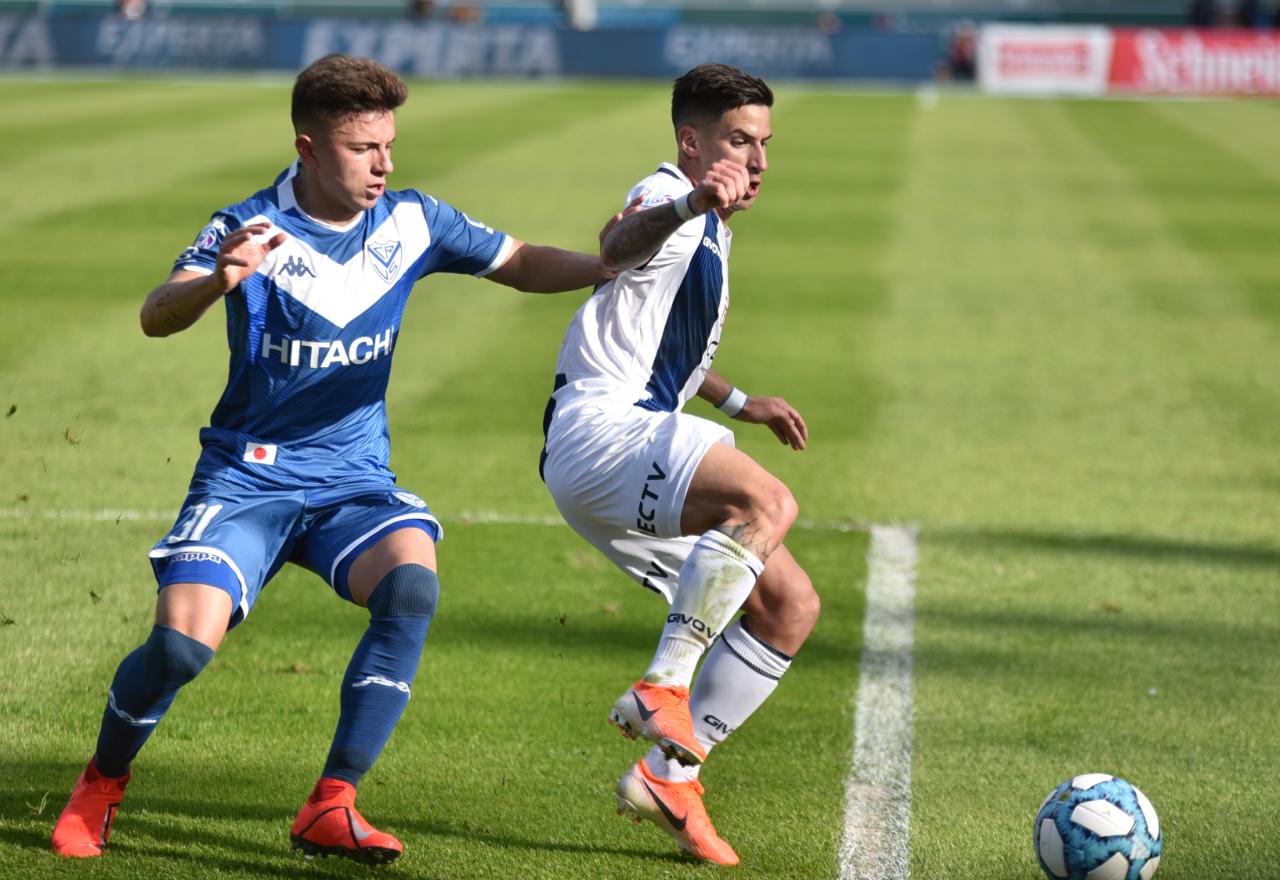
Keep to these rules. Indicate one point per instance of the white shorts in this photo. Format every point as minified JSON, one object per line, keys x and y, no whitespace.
{"x":619,"y":475}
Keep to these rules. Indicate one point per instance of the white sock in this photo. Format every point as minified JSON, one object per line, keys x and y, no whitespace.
{"x":714,"y":581}
{"x":740,"y":673}
{"x":663,"y":767}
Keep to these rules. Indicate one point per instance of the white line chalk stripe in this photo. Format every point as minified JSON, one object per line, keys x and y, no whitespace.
{"x":480,"y":517}
{"x":878,"y":788}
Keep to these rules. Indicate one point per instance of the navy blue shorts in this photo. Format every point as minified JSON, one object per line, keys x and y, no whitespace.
{"x":237,"y":540}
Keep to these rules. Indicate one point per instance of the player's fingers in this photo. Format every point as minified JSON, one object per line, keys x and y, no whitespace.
{"x":802,"y":430}
{"x":275,"y":241}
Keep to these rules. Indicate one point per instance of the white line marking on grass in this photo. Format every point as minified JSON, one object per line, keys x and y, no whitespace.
{"x":465,"y":517}
{"x":878,"y":788}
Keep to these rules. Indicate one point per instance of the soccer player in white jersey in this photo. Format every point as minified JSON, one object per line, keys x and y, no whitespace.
{"x":663,"y":494}
{"x":315,"y":271}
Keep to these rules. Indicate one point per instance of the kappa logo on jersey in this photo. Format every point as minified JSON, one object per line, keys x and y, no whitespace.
{"x":478,"y":225}
{"x":295,"y":267}
{"x":386,"y":258}
{"x":320,"y":354}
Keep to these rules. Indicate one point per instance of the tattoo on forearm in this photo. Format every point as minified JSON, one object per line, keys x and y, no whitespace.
{"x":637,"y":237}
{"x":169,"y":319}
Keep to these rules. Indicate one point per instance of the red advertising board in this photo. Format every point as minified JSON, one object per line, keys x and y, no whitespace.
{"x":1195,"y":62}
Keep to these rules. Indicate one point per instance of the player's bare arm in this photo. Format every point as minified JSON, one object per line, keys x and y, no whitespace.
{"x":536,"y":268}
{"x":185,"y":295}
{"x":780,"y":417}
{"x":638,"y":237}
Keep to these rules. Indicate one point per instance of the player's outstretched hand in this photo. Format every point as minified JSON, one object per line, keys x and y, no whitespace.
{"x":243,"y":251}
{"x":722,"y":186}
{"x":781,"y":418}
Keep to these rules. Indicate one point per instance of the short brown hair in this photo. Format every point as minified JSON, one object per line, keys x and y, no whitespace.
{"x":709,"y":91}
{"x":337,"y":86}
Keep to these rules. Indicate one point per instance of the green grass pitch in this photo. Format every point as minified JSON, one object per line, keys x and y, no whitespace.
{"x":1045,"y":331}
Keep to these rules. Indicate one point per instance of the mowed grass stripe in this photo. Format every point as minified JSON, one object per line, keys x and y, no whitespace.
{"x":808,"y":279}
{"x":1033,"y":378}
{"x":1214,"y":200}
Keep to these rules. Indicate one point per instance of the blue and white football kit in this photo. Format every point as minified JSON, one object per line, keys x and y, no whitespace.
{"x":294,"y":464}
{"x":620,"y":454}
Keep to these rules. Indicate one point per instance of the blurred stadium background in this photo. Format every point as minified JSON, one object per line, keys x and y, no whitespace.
{"x":1044,"y":46}
{"x":1043,"y":330}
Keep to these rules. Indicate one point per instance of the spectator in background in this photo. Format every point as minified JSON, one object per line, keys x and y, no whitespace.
{"x":581,"y":15}
{"x":422,"y":9}
{"x":1204,"y":13}
{"x":131,"y":9}
{"x":962,"y":52}
{"x":465,"y":12}
{"x":1249,"y":14}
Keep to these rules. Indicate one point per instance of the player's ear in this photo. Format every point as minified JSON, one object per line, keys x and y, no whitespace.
{"x":306,"y":148}
{"x":687,"y":140}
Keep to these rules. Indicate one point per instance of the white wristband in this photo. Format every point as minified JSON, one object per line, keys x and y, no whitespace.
{"x":683,"y":209}
{"x":734,"y":403}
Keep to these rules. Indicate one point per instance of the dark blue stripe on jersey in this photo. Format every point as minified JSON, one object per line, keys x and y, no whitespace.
{"x":561,"y":381}
{"x":693,"y":314}
{"x":663,"y":170}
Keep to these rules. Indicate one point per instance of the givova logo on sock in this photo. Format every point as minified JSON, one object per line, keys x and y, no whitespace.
{"x":716,"y":724}
{"x":693,"y":623}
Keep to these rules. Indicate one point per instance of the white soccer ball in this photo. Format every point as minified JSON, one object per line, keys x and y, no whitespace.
{"x":1097,"y":827}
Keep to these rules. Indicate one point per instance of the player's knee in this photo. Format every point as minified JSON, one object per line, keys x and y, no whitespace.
{"x":408,"y":590}
{"x":806,"y":605}
{"x":174,"y":656}
{"x":779,"y":507}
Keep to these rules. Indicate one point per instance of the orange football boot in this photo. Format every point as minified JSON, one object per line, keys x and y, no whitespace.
{"x":676,"y":808}
{"x":329,"y":825}
{"x":660,"y":713}
{"x":85,"y":823}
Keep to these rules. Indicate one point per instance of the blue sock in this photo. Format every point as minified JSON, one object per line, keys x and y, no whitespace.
{"x":376,"y":687}
{"x":142,"y":691}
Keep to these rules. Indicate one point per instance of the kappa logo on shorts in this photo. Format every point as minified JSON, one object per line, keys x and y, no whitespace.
{"x":645,"y":520}
{"x":410,"y":499}
{"x":196,"y":556}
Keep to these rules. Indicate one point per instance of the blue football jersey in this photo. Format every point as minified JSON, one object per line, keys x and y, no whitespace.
{"x":313,"y":330}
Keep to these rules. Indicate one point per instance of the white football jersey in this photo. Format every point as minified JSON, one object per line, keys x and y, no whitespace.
{"x":651,"y":334}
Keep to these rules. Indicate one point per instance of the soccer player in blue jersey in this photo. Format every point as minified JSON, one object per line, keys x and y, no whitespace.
{"x":315,"y":271}
{"x":664,"y":494}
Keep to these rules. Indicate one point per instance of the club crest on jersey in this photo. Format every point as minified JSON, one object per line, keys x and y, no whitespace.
{"x":211,"y":234}
{"x":386,"y":258}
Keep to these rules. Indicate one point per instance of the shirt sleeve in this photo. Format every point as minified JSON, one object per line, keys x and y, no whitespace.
{"x":461,"y":245}
{"x":659,"y":189}
{"x":202,"y":256}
